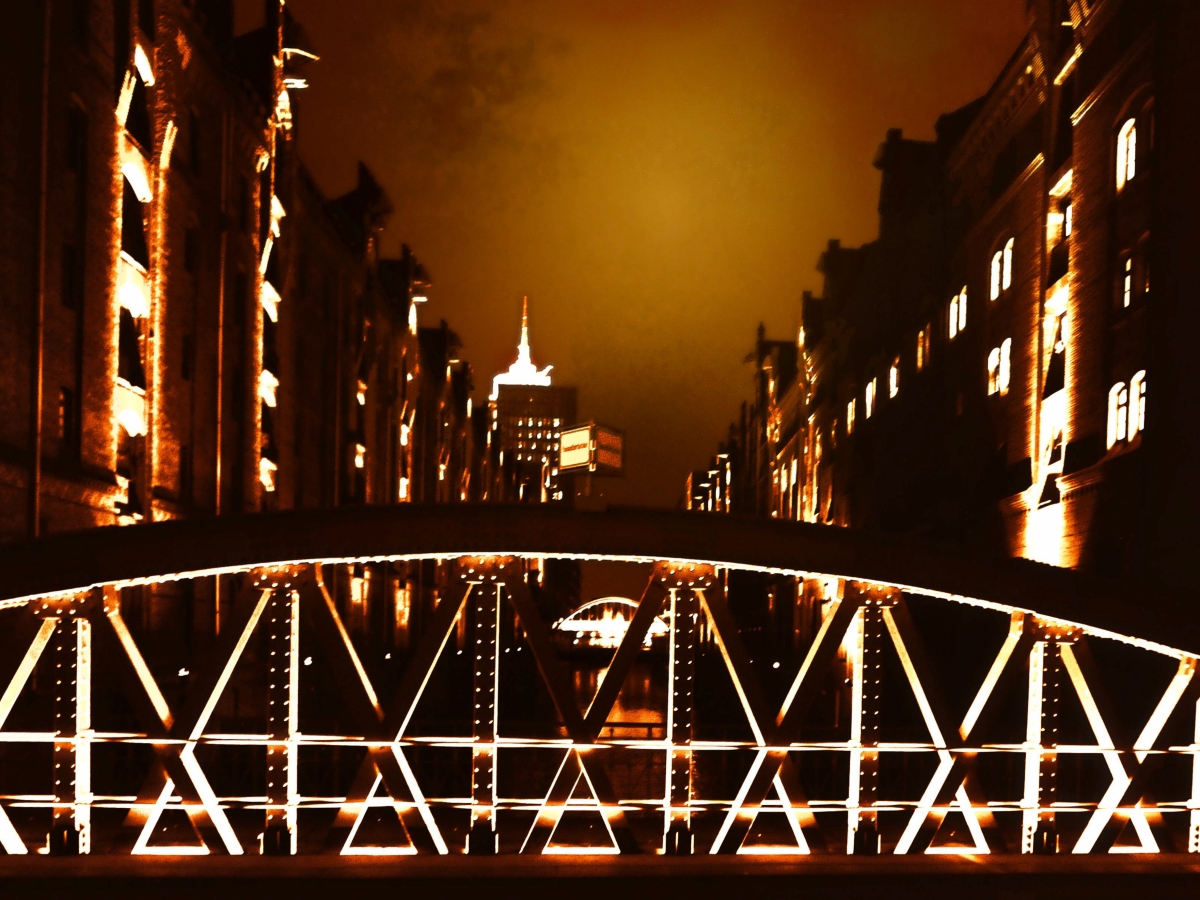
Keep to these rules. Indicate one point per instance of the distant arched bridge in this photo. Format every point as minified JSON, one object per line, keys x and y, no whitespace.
{"x":934,"y":703}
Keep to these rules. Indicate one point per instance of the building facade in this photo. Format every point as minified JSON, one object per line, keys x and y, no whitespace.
{"x":998,"y":367}
{"x":190,"y":327}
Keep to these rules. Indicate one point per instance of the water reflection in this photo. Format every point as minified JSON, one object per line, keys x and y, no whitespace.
{"x":640,"y":710}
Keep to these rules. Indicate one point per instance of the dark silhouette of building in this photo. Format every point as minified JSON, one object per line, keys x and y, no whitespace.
{"x":998,"y":367}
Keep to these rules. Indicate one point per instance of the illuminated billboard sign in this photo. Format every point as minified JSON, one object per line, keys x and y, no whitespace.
{"x":575,"y":448}
{"x":592,"y":448}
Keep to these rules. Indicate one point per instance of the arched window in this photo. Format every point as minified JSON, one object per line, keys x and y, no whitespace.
{"x":1126,"y":152}
{"x":850,"y":405}
{"x":993,"y":364}
{"x":1001,"y":273}
{"x":894,"y":378}
{"x":1004,"y":376}
{"x":869,"y":398}
{"x":1118,"y":413}
{"x":954,"y":317}
{"x":1137,"y":404}
{"x":962,"y":309}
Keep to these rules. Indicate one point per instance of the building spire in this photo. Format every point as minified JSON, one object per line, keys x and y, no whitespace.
{"x":523,"y":347}
{"x":523,"y":371}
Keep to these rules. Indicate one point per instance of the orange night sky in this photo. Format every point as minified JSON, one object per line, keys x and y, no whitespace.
{"x":658,"y":177}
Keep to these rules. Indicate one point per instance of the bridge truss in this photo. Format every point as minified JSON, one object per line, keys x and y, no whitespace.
{"x":907,"y":768}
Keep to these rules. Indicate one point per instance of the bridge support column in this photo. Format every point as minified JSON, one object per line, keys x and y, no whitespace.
{"x":283,"y":690}
{"x":681,"y":668}
{"x":486,"y":607}
{"x":71,"y":653}
{"x":866,"y":661}
{"x":1039,"y":831}
{"x":1194,"y":825}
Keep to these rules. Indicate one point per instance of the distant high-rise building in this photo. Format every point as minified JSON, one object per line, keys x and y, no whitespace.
{"x":528,"y":414}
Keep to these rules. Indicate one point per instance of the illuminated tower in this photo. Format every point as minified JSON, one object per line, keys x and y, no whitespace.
{"x":527,"y":417}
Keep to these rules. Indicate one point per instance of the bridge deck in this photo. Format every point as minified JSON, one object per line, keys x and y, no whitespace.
{"x":982,"y":878}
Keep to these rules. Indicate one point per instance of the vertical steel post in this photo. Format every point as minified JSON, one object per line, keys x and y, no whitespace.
{"x":482,"y":837}
{"x":1030,"y":796}
{"x":1039,"y":831}
{"x":1194,"y":804}
{"x":283,"y":684}
{"x":71,"y":654}
{"x":866,"y":673}
{"x":681,"y":669}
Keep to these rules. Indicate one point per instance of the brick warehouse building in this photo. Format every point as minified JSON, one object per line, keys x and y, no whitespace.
{"x":998,"y":367}
{"x":190,"y":328}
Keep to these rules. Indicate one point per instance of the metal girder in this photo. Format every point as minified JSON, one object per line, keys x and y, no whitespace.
{"x":1044,"y":655}
{"x":71,"y":562}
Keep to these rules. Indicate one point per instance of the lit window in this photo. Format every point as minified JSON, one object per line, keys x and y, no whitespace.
{"x":266,"y":473}
{"x":997,"y":264}
{"x":1118,"y":413}
{"x":869,"y":398}
{"x":1005,"y":375}
{"x":268,"y":387}
{"x":962,"y":309}
{"x":894,"y":378}
{"x":993,"y":366}
{"x":954,"y":317}
{"x":920,"y":349}
{"x":1137,"y":404}
{"x":1126,"y":152}
{"x":1006,"y":279}
{"x":360,"y":456}
{"x":850,"y":415}
{"x":1068,"y":219}
{"x":1127,"y":289}
{"x":361,"y":394}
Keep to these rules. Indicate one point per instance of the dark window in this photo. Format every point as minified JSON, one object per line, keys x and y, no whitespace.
{"x":270,"y":346}
{"x":187,"y":364}
{"x":137,"y":123}
{"x":121,"y":46}
{"x":191,"y":251}
{"x":133,"y":228}
{"x":66,"y":417}
{"x":146,"y":17}
{"x":71,"y":294}
{"x":129,"y":352}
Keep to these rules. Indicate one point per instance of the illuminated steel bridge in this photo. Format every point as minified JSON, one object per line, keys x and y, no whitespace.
{"x":927,"y":705}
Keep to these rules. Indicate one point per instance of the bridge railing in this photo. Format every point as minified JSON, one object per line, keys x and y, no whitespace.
{"x":903,"y":723}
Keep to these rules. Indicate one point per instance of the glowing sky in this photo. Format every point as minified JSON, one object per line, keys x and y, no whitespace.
{"x":658,"y":177}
